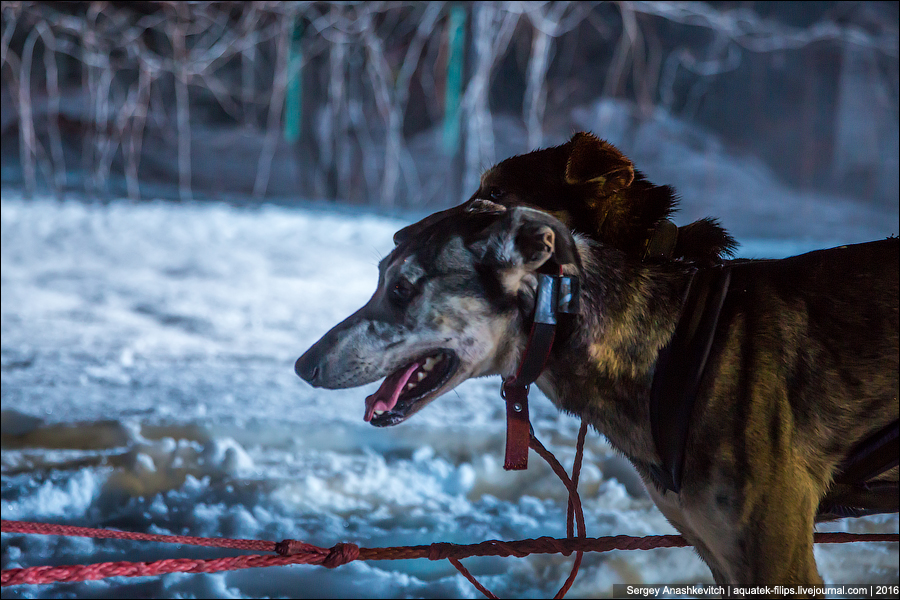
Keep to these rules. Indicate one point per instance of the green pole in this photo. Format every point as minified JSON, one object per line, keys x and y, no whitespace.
{"x":453,"y":92}
{"x":293,"y":95}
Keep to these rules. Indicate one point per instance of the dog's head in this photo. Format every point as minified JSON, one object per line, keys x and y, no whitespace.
{"x":594,"y":189}
{"x":456,"y":290}
{"x":451,"y":301}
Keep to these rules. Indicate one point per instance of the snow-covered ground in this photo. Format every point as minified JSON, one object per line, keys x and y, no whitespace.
{"x":147,"y":384}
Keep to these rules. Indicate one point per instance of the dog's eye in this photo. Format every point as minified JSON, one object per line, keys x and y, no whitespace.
{"x":496,"y":193}
{"x":403,"y":291}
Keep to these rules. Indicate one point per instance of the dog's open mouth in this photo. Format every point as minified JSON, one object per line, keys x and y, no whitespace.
{"x":407,"y":389}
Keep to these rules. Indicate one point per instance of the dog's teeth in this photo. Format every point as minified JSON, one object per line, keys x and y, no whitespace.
{"x":429,"y":363}
{"x":380,"y":412}
{"x":410,"y":385}
{"x":420,"y":375}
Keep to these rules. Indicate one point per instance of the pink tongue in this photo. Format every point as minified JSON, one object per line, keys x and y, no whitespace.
{"x":384,"y":398}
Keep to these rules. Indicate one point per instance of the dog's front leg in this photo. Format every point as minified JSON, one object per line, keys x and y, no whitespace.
{"x":774,"y":541}
{"x":757,"y":530}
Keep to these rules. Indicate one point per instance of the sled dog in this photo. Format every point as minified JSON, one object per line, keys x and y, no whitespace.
{"x":753,"y":397}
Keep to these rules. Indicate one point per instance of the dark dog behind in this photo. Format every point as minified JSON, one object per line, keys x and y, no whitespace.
{"x":795,"y":394}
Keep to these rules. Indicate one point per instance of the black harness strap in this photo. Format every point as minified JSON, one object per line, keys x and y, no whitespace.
{"x":873,"y":456}
{"x":854,"y":493}
{"x":679,"y":370}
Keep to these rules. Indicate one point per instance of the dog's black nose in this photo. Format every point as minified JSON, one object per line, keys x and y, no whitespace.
{"x":307,"y":367}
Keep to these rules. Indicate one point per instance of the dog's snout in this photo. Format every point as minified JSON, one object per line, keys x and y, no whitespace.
{"x":307,"y":367}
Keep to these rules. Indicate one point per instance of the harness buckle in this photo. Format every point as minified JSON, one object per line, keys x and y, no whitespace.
{"x":555,"y":294}
{"x":569,"y":291}
{"x":547,"y":298}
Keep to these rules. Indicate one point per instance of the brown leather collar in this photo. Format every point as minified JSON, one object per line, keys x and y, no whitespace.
{"x":661,"y":244}
{"x":555,"y":294}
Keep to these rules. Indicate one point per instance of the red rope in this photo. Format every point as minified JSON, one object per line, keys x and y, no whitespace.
{"x":574,"y":505}
{"x":302,"y":553}
{"x":465,"y":573}
{"x":73,"y":531}
{"x":297,"y":552}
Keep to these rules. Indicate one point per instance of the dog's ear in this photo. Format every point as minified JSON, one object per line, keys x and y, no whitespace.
{"x":592,"y":160}
{"x":525,"y":239}
{"x":612,"y":202}
{"x":467,"y":208}
{"x":479,"y":206}
{"x":411,"y":231}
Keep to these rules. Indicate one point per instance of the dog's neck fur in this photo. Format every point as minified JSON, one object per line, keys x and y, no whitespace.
{"x":621,"y":340}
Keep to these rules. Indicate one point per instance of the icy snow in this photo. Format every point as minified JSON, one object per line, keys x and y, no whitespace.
{"x":147,"y":384}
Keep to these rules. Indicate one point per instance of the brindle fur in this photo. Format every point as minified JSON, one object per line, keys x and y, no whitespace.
{"x":803,"y":365}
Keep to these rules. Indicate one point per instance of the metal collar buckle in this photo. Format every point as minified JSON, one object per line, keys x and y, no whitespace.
{"x":555,"y":294}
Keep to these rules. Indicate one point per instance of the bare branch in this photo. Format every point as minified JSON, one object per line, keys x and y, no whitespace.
{"x":749,"y":30}
{"x":276,"y":105}
{"x":177,"y":33}
{"x":493,"y":29}
{"x":59,"y":163}
{"x":27,"y":138}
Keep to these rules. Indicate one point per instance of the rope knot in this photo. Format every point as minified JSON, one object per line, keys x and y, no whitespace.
{"x":341,"y":554}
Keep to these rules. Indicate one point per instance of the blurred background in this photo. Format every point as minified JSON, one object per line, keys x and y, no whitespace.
{"x":403,"y":104}
{"x":194,"y":192}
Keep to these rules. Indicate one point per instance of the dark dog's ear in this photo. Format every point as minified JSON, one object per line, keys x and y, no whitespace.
{"x":479,"y":206}
{"x":525,"y":240}
{"x":467,"y":208}
{"x":593,"y":160}
{"x":611,"y":201}
{"x":410,"y":231}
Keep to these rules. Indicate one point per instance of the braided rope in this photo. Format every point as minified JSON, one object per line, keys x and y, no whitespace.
{"x":73,"y":531}
{"x":297,"y":552}
{"x":288,"y":552}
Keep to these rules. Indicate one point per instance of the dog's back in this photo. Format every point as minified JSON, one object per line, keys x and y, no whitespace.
{"x":824,"y":327}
